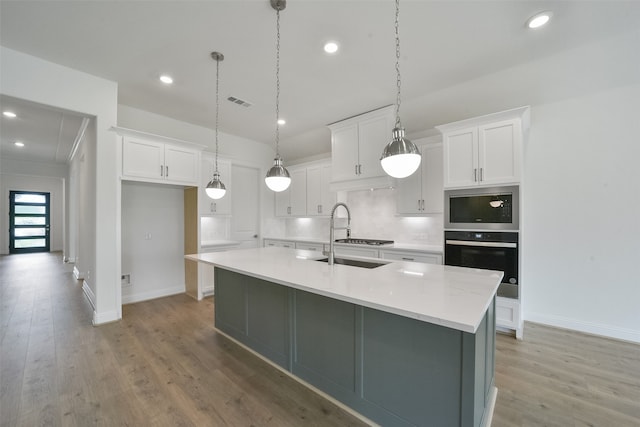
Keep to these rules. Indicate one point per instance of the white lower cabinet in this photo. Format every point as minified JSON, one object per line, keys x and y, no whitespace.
{"x":318,"y":247}
{"x":397,"y":255}
{"x":508,"y":315}
{"x":279,"y":243}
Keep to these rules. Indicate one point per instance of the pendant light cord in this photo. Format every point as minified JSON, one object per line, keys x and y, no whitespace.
{"x":398,"y":80}
{"x":217,"y":106}
{"x":277,"y":82}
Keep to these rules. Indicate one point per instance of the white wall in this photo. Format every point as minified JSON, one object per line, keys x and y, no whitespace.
{"x":82,"y":210}
{"x":25,"y":181}
{"x":582,"y":214}
{"x":33,"y":79}
{"x":152,"y":240}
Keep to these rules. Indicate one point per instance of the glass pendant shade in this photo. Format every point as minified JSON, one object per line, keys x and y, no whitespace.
{"x":277,"y":178}
{"x":400,"y":157}
{"x":215,"y":188}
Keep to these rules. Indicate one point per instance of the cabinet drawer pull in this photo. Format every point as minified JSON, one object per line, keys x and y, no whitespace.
{"x":408,"y":259}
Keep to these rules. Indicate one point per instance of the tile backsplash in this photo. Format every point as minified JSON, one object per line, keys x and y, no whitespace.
{"x":373,"y":216}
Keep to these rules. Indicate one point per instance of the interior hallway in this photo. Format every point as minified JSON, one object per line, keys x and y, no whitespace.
{"x":164,"y":365}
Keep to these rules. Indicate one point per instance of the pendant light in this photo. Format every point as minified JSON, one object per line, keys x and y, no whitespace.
{"x":278,"y":178}
{"x":400,"y":157}
{"x":215,"y":188}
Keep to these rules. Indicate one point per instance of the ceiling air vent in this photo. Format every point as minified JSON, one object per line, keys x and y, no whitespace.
{"x":239,"y":101}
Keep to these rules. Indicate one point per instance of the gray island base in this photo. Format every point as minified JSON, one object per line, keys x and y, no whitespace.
{"x":392,"y":369}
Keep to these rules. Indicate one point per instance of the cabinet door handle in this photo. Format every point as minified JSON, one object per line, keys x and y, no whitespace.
{"x":422,"y":204}
{"x":475,"y":175}
{"x":161,"y":170}
{"x":481,"y":174}
{"x":319,"y":208}
{"x":289,"y":210}
{"x":211,"y":207}
{"x":215,"y":207}
{"x":359,"y":169}
{"x":166,"y":173}
{"x":356,"y":169}
{"x":419,"y":207}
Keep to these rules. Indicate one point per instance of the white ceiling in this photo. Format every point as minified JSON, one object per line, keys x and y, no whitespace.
{"x":449,"y":50}
{"x":48,"y":134}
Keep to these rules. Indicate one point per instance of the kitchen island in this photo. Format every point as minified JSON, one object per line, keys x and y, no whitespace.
{"x":402,"y":344}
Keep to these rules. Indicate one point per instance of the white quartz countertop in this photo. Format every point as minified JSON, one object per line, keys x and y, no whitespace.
{"x":454,"y":297}
{"x":420,"y":247}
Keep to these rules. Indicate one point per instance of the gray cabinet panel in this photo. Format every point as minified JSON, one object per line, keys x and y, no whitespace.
{"x":409,"y":366}
{"x":268,"y":319}
{"x":395,"y":370}
{"x":231,"y":317}
{"x":325,"y":336}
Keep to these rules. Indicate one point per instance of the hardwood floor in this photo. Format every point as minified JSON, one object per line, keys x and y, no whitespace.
{"x":164,"y":365}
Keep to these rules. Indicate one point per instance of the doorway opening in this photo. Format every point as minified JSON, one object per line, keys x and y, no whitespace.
{"x":29,"y":222}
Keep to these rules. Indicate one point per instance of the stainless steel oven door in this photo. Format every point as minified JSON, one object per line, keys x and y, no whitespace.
{"x":490,"y":255}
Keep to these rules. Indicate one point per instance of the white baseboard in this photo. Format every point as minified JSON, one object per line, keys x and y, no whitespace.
{"x":156,"y":293}
{"x":625,"y":334}
{"x":79,"y":275}
{"x":89,"y":293}
{"x":105,"y":317}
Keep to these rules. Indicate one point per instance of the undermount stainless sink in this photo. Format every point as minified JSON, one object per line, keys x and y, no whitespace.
{"x":354,"y":262}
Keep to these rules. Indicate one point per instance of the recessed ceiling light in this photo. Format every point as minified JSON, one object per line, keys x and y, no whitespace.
{"x":9,"y":114}
{"x":331,"y":47}
{"x":18,"y":144}
{"x":539,"y":19}
{"x":166,"y":79}
{"x":281,"y":121}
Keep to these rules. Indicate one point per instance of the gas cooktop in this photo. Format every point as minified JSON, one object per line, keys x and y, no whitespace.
{"x":365,"y":241}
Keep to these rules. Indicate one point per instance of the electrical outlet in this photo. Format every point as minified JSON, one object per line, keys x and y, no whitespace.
{"x":126,"y":279}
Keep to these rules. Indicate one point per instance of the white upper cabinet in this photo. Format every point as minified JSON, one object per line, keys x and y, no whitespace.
{"x":320,"y":199}
{"x":153,"y":158}
{"x":484,"y":151}
{"x":293,"y":200}
{"x":207,"y":205}
{"x":356,"y":146}
{"x":422,"y":191}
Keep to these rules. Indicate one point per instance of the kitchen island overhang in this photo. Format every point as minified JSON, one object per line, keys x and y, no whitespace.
{"x":403,"y":344}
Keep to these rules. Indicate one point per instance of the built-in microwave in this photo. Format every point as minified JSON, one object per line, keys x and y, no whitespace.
{"x":491,"y":208}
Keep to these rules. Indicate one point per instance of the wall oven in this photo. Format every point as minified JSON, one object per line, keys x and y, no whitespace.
{"x":491,"y":208}
{"x":487,"y":250}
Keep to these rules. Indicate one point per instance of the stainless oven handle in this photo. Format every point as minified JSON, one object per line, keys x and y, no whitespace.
{"x":485,"y":244}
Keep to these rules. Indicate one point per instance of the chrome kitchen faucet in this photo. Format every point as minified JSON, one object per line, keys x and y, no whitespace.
{"x":330,"y":255}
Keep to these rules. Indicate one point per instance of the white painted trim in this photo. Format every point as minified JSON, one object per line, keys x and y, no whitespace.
{"x":79,"y":137}
{"x":105,"y":317}
{"x":157,"y":293}
{"x":79,"y":275}
{"x":625,"y":334}
{"x":88,"y":292}
{"x":488,"y":418}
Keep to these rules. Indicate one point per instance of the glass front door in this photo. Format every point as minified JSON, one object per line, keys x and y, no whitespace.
{"x":28,"y":222}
